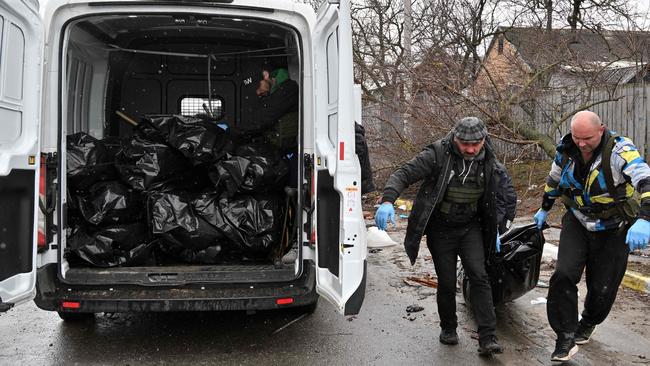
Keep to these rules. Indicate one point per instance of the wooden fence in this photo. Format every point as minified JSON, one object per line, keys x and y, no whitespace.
{"x":624,"y":109}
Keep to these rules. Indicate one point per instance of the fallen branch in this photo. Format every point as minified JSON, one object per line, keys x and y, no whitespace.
{"x":289,"y":323}
{"x":423,"y":281}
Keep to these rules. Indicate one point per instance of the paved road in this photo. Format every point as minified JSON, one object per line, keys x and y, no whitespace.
{"x":382,"y":334}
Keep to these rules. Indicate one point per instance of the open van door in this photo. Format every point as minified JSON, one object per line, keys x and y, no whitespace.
{"x":340,"y":228}
{"x":21,"y":59}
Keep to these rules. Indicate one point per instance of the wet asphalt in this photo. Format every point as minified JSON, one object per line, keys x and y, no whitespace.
{"x":382,"y":334}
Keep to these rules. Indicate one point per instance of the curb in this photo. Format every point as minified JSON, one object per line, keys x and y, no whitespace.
{"x":632,"y":280}
{"x":636,"y":281}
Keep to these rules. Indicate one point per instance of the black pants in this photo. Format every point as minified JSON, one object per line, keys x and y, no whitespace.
{"x":603,"y":254}
{"x":445,"y":246}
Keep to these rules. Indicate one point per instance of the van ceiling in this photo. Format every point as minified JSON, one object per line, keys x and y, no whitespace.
{"x":162,"y":31}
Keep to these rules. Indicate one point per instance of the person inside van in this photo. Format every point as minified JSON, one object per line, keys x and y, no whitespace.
{"x":278,"y":96}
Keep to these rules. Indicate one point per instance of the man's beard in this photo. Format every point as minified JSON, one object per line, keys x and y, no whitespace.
{"x":479,"y":156}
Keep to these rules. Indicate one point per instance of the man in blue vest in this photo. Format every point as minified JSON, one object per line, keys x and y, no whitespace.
{"x":594,"y":173}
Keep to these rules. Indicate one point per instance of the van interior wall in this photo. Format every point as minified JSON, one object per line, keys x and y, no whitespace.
{"x":141,"y":84}
{"x":155,"y":84}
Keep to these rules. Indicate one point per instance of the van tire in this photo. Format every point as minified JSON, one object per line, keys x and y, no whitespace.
{"x":75,"y":317}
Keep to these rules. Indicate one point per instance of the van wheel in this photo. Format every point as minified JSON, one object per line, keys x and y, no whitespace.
{"x":75,"y":317}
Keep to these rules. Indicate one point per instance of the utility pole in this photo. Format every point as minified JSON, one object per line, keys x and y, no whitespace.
{"x":407,"y":82}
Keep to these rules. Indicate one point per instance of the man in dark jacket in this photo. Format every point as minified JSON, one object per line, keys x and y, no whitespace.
{"x":456,"y":209}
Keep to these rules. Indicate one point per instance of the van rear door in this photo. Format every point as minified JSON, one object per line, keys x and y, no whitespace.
{"x":340,"y":229}
{"x":21,"y":59}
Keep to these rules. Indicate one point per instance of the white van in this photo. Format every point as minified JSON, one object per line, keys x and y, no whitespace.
{"x":72,"y":66}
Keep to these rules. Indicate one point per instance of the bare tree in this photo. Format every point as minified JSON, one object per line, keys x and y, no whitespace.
{"x":420,"y":63}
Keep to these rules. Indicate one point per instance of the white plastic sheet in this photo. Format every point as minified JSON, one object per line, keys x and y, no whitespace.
{"x":378,"y":238}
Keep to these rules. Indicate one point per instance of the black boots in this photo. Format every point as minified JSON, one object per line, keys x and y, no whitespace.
{"x":583,"y":333}
{"x":486,"y":346}
{"x":448,"y":337}
{"x":565,"y":348}
{"x":489,"y":346}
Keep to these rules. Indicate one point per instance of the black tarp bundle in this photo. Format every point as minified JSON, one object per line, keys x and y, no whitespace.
{"x":252,"y":168}
{"x":244,"y":224}
{"x":88,"y":161}
{"x":143,"y":162}
{"x":200,"y":141}
{"x":183,"y":176}
{"x":183,"y":234}
{"x":109,"y":203}
{"x":112,"y":245}
{"x":251,"y":224}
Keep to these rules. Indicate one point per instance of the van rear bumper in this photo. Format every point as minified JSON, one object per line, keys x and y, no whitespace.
{"x":52,"y":293}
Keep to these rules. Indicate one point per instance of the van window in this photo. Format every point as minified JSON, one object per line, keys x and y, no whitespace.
{"x":12,"y":55}
{"x":13,"y":78}
{"x":332,"y":85}
{"x":191,"y":106}
{"x":332,"y":67}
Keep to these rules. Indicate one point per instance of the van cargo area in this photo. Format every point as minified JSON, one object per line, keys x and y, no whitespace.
{"x":175,"y":168}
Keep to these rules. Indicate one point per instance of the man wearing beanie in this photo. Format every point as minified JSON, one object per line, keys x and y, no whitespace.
{"x":456,"y":209}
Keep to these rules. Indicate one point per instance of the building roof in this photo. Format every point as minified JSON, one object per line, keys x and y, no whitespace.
{"x":538,"y":47}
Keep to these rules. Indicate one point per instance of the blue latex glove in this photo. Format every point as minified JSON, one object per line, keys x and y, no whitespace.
{"x":540,"y":218}
{"x":498,"y":242}
{"x":384,"y":212}
{"x":638,"y":235}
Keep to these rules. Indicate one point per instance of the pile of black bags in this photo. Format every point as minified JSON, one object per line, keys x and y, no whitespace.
{"x":178,"y":189}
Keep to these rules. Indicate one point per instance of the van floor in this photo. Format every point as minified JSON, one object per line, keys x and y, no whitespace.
{"x":180,"y":274}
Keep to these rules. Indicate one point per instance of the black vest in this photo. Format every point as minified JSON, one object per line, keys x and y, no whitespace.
{"x":459,"y":204}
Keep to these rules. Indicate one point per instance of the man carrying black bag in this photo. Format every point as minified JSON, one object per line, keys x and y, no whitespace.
{"x":456,"y":209}
{"x":595,"y":173}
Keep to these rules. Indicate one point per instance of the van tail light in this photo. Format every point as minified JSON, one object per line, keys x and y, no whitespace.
{"x":42,"y":241}
{"x":284,"y":301}
{"x":71,"y":305}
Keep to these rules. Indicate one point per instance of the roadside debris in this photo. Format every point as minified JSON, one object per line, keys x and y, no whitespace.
{"x":537,"y":301}
{"x":426,"y":281}
{"x":410,"y":317}
{"x":378,"y":238}
{"x":542,"y":284}
{"x":404,"y":205}
{"x":414,"y":308}
{"x":289,"y":323}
